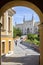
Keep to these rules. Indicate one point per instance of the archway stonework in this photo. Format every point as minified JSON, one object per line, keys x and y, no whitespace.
{"x":37,"y":10}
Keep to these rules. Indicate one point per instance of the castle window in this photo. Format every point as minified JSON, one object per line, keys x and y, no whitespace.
{"x":30,"y":24}
{"x":28,"y":30}
{"x":31,"y":28}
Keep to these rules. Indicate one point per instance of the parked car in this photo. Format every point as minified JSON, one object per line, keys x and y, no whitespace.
{"x":21,"y":39}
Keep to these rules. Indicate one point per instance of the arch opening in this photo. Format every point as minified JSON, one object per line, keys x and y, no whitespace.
{"x":23,"y":3}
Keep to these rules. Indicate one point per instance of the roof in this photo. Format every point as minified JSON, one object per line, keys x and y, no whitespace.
{"x":11,"y":12}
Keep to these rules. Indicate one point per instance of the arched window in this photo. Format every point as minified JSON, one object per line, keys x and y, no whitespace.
{"x":28,"y":30}
{"x":9,"y":24}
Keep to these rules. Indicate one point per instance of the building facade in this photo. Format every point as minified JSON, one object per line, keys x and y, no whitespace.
{"x":7,"y":32}
{"x":28,"y":26}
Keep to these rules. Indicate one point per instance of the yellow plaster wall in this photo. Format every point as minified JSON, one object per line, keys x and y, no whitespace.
{"x":7,"y":44}
{"x":3,"y":33}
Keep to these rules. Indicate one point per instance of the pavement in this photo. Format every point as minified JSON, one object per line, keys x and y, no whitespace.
{"x":22,"y":55}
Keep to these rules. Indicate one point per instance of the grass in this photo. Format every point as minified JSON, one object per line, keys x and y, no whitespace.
{"x":27,"y":40}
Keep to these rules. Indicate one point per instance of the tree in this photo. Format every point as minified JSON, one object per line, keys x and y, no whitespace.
{"x":16,"y":32}
{"x":19,"y":33}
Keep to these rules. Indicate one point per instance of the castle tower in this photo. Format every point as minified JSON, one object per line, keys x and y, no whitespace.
{"x":15,"y":23}
{"x":32,"y":17}
{"x":24,"y":19}
{"x":33,"y":21}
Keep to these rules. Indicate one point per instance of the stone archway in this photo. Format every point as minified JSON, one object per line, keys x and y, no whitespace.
{"x":36,"y":9}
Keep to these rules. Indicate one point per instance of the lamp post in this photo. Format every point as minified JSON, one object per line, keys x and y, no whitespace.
{"x":0,"y":40}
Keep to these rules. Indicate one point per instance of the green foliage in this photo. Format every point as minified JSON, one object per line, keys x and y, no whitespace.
{"x":28,"y":40}
{"x":36,"y":42}
{"x":19,"y":33}
{"x":34,"y":38}
{"x":30,"y":36}
{"x":16,"y":32}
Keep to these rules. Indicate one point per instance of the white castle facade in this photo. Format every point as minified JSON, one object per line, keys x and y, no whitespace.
{"x":29,"y":26}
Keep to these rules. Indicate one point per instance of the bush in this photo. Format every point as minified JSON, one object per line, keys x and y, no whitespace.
{"x":34,"y":38}
{"x":30,"y":36}
{"x":36,"y":42}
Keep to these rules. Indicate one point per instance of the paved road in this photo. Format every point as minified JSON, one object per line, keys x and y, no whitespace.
{"x":22,"y":55}
{"x":31,"y":46}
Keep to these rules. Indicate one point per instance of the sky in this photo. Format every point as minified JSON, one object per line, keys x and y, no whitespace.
{"x":22,"y":12}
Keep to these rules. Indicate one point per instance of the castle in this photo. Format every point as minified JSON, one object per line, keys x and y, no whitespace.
{"x":28,"y":26}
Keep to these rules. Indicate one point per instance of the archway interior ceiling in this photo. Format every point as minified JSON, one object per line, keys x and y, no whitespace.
{"x":38,"y":3}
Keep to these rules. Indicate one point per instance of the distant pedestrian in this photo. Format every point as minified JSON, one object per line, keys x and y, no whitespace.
{"x":16,"y":42}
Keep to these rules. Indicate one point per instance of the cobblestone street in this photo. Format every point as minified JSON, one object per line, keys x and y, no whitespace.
{"x":22,"y":56}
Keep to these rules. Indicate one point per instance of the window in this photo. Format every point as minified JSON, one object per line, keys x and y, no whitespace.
{"x":3,"y":47}
{"x":28,"y":30}
{"x":3,"y":21}
{"x":25,"y":29}
{"x":8,"y":23}
{"x":9,"y":45}
{"x":30,"y":24}
{"x":31,"y":28}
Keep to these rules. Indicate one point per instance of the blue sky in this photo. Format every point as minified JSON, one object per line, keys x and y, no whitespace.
{"x":22,"y":11}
